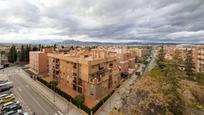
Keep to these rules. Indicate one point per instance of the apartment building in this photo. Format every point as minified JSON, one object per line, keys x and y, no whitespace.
{"x":197,"y":54}
{"x":127,"y":58}
{"x":39,"y":60}
{"x":200,"y":61}
{"x":126,"y":61}
{"x":93,"y":73}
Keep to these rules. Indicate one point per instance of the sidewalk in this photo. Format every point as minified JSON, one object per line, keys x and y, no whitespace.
{"x":51,"y":97}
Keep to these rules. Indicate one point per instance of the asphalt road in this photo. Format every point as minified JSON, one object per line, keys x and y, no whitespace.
{"x":152,"y":63}
{"x":30,"y":99}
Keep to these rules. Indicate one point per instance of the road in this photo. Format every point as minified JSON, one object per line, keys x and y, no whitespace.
{"x":34,"y":96}
{"x":152,"y":63}
{"x":32,"y":101}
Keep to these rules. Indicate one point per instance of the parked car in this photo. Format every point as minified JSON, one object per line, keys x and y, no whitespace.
{"x":6,"y":65}
{"x":7,"y":99}
{"x":5,"y":95}
{"x":10,"y":108}
{"x":3,"y":81}
{"x":6,"y":86}
{"x":13,"y":112}
{"x":10,"y":103}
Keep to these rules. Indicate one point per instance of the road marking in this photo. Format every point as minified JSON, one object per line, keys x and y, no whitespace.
{"x":19,"y":89}
{"x":60,"y":113}
{"x":34,"y":99}
{"x":36,"y":88}
{"x":25,"y":107}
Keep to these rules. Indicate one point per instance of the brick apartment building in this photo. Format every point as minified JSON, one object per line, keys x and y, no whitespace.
{"x":200,"y":62}
{"x":39,"y":61}
{"x":197,"y":54}
{"x":127,"y":59}
{"x":93,"y":73}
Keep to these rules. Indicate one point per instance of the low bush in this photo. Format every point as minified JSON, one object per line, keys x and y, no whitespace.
{"x":78,"y":101}
{"x":124,"y":75}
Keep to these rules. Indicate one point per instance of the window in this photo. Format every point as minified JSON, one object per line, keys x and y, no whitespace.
{"x":79,"y":89}
{"x":79,"y":82}
{"x":111,"y":65}
{"x":91,"y":93}
{"x":75,"y":66}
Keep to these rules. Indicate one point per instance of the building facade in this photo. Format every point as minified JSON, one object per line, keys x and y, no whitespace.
{"x":38,"y":60}
{"x":93,"y":73}
{"x":200,"y":64}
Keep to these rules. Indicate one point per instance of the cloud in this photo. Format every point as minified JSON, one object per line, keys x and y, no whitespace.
{"x":104,"y":20}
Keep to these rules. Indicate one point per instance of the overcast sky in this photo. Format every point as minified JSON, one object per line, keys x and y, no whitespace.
{"x":102,"y":20}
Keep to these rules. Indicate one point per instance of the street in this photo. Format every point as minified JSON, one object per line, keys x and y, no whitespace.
{"x":30,"y":99}
{"x":152,"y":63}
{"x":35,"y":98}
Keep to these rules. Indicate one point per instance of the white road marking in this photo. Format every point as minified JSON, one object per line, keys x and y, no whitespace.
{"x":19,"y":89}
{"x":36,"y":102}
{"x":60,"y":113}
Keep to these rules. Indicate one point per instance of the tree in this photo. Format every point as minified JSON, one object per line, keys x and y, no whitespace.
{"x":172,"y":74}
{"x":161,"y":58}
{"x":27,"y":50}
{"x":2,"y":53}
{"x":22,"y":53}
{"x":55,"y":46}
{"x":189,"y":65}
{"x":12,"y":55}
{"x":35,"y":48}
{"x":177,"y":57}
{"x":40,"y":47}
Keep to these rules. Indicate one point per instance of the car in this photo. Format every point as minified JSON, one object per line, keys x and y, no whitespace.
{"x":3,"y":81}
{"x":7,"y":99}
{"x":10,"y":103}
{"x":5,"y":94}
{"x":6,"y":86}
{"x":13,"y":112}
{"x":10,"y":108}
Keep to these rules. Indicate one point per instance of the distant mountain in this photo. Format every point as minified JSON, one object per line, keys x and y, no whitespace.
{"x":45,"y":41}
{"x":82,"y":43}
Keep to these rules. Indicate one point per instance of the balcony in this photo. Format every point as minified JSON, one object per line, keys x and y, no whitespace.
{"x":79,"y":82}
{"x":75,"y":66}
{"x":74,"y":70}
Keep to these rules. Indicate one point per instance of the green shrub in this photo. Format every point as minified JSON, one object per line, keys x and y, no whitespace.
{"x":78,"y":101}
{"x":54,"y":83}
{"x":124,"y":75}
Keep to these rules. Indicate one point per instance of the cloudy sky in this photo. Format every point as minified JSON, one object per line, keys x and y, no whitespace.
{"x":102,"y":20}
